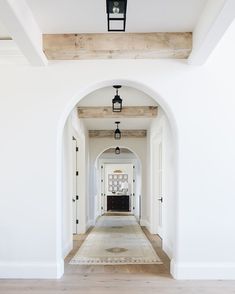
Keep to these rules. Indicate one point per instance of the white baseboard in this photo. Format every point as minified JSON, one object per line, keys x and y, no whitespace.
{"x":67,"y":248}
{"x":203,"y":271}
{"x":12,"y":270}
{"x":145,"y":223}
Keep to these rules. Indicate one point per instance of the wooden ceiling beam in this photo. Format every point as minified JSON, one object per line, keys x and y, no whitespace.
{"x":127,"y":112}
{"x":117,"y":46}
{"x":110,"y":133}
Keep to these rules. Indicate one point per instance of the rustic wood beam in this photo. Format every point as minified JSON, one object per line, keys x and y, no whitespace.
{"x":127,"y":112}
{"x":110,"y":133}
{"x":116,"y":46}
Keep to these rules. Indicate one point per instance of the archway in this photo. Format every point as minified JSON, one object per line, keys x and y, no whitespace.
{"x":127,"y":161}
{"x":172,"y":127}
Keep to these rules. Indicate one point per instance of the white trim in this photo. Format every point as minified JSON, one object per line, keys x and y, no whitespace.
{"x":67,"y":248}
{"x":35,"y":270}
{"x":203,"y":271}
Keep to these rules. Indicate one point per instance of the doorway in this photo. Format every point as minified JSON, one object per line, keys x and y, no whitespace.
{"x":119,"y":182}
{"x":142,"y":208}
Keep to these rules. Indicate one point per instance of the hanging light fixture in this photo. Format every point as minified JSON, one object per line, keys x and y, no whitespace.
{"x":117,"y":150}
{"x":117,"y":133}
{"x":117,"y":101}
{"x":116,"y":13}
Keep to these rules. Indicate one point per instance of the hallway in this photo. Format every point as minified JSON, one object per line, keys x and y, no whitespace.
{"x":116,"y":279}
{"x":116,"y":239}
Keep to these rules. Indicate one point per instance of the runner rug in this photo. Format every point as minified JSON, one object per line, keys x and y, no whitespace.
{"x":116,"y":240}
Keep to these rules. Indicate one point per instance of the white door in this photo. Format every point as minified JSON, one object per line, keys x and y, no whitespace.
{"x":157,"y":188}
{"x":75,"y":196}
{"x":102,"y":189}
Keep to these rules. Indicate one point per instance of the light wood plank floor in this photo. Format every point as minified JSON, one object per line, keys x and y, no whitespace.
{"x":116,"y":279}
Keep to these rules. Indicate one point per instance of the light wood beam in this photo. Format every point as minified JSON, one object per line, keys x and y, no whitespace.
{"x":110,"y":133}
{"x":116,"y":46}
{"x":127,"y":112}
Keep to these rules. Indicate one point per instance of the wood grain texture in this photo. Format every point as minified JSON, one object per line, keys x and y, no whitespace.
{"x":117,"y":45}
{"x":127,"y":112}
{"x":110,"y":133}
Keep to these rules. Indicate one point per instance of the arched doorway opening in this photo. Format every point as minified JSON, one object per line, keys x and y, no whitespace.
{"x":164,"y":128}
{"x":118,"y":175}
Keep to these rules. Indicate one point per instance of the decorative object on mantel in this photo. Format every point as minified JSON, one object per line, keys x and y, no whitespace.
{"x":116,"y":240}
{"x":116,"y":15}
{"x":117,"y":101}
{"x":117,"y":133}
{"x":117,"y":150}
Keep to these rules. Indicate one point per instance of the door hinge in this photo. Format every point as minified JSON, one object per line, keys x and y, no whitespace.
{"x":133,"y":207}
{"x":102,"y":207}
{"x":133,"y":166}
{"x":77,"y":149}
{"x":77,"y":197}
{"x":77,"y":221}
{"x":77,"y":173}
{"x":133,"y":181}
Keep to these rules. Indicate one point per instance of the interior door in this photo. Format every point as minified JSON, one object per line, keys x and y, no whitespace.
{"x":102,"y":189}
{"x":157,"y":188}
{"x":75,"y":185}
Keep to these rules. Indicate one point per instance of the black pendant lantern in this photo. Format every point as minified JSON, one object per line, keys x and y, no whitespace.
{"x":117,"y":133}
{"x":117,"y":101}
{"x":116,"y":15}
{"x":117,"y":150}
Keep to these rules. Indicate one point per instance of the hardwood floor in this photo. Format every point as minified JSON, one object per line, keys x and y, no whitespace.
{"x":116,"y":279}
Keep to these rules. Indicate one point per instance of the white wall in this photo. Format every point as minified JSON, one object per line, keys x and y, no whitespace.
{"x":34,"y":103}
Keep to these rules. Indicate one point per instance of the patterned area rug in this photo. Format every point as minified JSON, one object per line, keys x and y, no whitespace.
{"x":116,"y":240}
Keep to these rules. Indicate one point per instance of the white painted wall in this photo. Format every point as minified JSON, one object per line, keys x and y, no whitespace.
{"x":34,"y":105}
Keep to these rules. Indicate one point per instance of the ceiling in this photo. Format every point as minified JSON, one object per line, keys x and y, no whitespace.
{"x":89,"y":16}
{"x":104,"y":96}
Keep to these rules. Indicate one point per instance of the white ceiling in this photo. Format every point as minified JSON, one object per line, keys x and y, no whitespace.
{"x":130,"y":96}
{"x":89,"y":16}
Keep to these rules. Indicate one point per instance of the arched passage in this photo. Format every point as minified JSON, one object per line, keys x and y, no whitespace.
{"x":172,"y":126}
{"x":129,"y":159}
